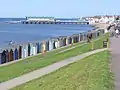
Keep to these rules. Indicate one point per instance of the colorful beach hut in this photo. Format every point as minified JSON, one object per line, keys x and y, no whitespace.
{"x":16,"y":54}
{"x":3,"y":57}
{"x":38,"y":47}
{"x":20,"y":52}
{"x":50,"y":44}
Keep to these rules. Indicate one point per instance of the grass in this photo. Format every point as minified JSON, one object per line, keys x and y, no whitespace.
{"x":14,"y":70}
{"x":91,"y":73}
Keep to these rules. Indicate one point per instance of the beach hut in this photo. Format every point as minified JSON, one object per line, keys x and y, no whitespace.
{"x":25,"y":51}
{"x":43,"y":47}
{"x":11,"y":56}
{"x":101,"y":31}
{"x":66,"y":40}
{"x":85,"y":36}
{"x":82,"y":37}
{"x":3,"y":57}
{"x":0,"y":57}
{"x":79,"y":37}
{"x":47,"y":45}
{"x":50,"y":44}
{"x":38,"y":47}
{"x":96,"y":34}
{"x":20,"y":52}
{"x":29,"y":49}
{"x":26,"y":48}
{"x":74,"y":38}
{"x":6,"y":55}
{"x":72,"y":41}
{"x":58,"y":42}
{"x":34,"y":49}
{"x":69,"y":40}
{"x":16,"y":54}
{"x":53,"y":44}
{"x":62,"y":42}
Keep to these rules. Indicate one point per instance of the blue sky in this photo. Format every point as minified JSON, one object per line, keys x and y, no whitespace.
{"x":58,"y":8}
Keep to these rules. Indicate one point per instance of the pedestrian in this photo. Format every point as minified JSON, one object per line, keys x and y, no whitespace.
{"x":89,"y":35}
{"x":88,"y":40}
{"x":117,"y":32}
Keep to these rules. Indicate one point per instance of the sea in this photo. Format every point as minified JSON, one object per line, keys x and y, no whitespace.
{"x":23,"y":33}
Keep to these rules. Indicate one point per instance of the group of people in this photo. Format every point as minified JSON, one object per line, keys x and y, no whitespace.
{"x":114,"y":30}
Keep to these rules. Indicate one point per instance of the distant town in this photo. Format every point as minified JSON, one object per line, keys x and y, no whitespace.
{"x":108,"y":19}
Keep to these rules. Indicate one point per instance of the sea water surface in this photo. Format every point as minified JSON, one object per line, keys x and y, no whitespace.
{"x":23,"y":33}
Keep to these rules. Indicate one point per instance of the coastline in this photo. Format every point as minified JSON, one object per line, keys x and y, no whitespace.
{"x":101,"y":26}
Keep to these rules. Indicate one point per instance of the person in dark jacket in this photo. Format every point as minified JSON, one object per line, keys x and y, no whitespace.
{"x":89,"y":37}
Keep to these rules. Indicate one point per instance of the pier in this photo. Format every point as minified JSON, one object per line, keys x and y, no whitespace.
{"x":51,"y":20}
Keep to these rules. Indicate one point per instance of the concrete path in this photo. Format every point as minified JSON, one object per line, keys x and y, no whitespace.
{"x":115,"y":48}
{"x":39,"y":73}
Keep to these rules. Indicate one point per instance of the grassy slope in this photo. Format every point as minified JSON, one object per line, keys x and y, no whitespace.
{"x":28,"y":65}
{"x":91,"y":73}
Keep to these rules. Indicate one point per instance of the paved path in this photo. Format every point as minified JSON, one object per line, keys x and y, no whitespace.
{"x":115,"y":47}
{"x":38,"y":73}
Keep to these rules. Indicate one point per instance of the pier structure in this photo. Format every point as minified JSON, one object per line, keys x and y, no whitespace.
{"x":52,"y":20}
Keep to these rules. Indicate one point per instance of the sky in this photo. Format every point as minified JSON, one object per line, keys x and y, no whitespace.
{"x":58,"y":8}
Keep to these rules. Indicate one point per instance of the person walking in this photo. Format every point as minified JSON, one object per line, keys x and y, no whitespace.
{"x":112,"y":31}
{"x":117,"y":33}
{"x":89,"y":37}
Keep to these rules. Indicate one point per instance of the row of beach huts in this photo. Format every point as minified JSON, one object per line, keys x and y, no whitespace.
{"x":23,"y":51}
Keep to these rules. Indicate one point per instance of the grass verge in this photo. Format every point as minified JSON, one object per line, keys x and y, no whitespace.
{"x":91,"y":73}
{"x":14,"y":70}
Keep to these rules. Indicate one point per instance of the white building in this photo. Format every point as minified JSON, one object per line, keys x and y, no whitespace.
{"x":101,"y":19}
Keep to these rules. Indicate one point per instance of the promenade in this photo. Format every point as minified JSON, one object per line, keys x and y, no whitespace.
{"x":115,"y":64}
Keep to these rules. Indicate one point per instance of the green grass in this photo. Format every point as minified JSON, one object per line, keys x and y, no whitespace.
{"x":91,"y":73}
{"x":14,"y":70}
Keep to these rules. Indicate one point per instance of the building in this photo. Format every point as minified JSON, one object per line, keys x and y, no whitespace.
{"x":107,"y":19}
